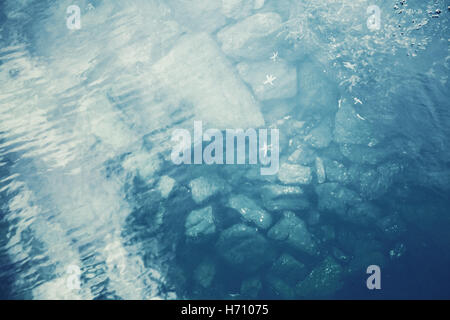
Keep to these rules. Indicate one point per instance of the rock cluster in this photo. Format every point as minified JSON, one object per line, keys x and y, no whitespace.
{"x":289,"y":235}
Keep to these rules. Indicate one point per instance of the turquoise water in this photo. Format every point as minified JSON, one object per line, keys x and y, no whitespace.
{"x":92,"y":206}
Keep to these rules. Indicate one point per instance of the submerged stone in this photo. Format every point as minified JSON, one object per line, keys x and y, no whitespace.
{"x":323,"y":281}
{"x":372,"y":183}
{"x":350,"y":127}
{"x":275,"y":110}
{"x":244,"y":248}
{"x":248,"y":38}
{"x":336,"y":198}
{"x":237,"y":9}
{"x":303,"y":155}
{"x":204,"y":273}
{"x":280,"y":288}
{"x":326,"y":233}
{"x":251,"y":287}
{"x":321,"y":136}
{"x":336,"y":172}
{"x":320,"y":171}
{"x":250,"y":211}
{"x":165,"y":186}
{"x":194,"y":66}
{"x":313,"y":217}
{"x":294,"y":174}
{"x":200,"y":223}
{"x":317,"y":94}
{"x":258,"y":4}
{"x":203,"y":188}
{"x":281,"y":198}
{"x":289,"y":269}
{"x":274,"y":191}
{"x":293,"y":231}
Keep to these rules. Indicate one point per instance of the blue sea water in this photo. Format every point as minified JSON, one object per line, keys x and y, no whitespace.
{"x":92,"y":207}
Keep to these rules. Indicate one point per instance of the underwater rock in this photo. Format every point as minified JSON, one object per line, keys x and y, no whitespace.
{"x":200,"y":223}
{"x":194,"y":66}
{"x":303,"y":155}
{"x":203,"y":188}
{"x":250,"y":211}
{"x":336,"y":172}
{"x":280,"y":6}
{"x":204,"y":273}
{"x":280,"y":288}
{"x":373,"y":183}
{"x":274,"y":191}
{"x":333,"y":153}
{"x":320,"y":137}
{"x":251,"y":287}
{"x":281,"y":198}
{"x":291,"y":203}
{"x":237,"y":9}
{"x":323,"y":281}
{"x":294,"y":174}
{"x":254,"y":174}
{"x":165,"y":186}
{"x":320,"y":171}
{"x":275,"y":110}
{"x":317,"y":93}
{"x":258,"y":4}
{"x":350,"y":127}
{"x":257,"y":75}
{"x":326,"y":233}
{"x":248,"y":38}
{"x":333,"y":197}
{"x":364,"y":214}
{"x":244,"y":248}
{"x":369,"y":184}
{"x":289,"y":269}
{"x":293,"y":231}
{"x":313,"y":217}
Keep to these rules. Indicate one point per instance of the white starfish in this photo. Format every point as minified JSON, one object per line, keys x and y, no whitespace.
{"x":350,"y":66}
{"x":357,"y":101}
{"x":270,"y":79}
{"x":274,"y":56}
